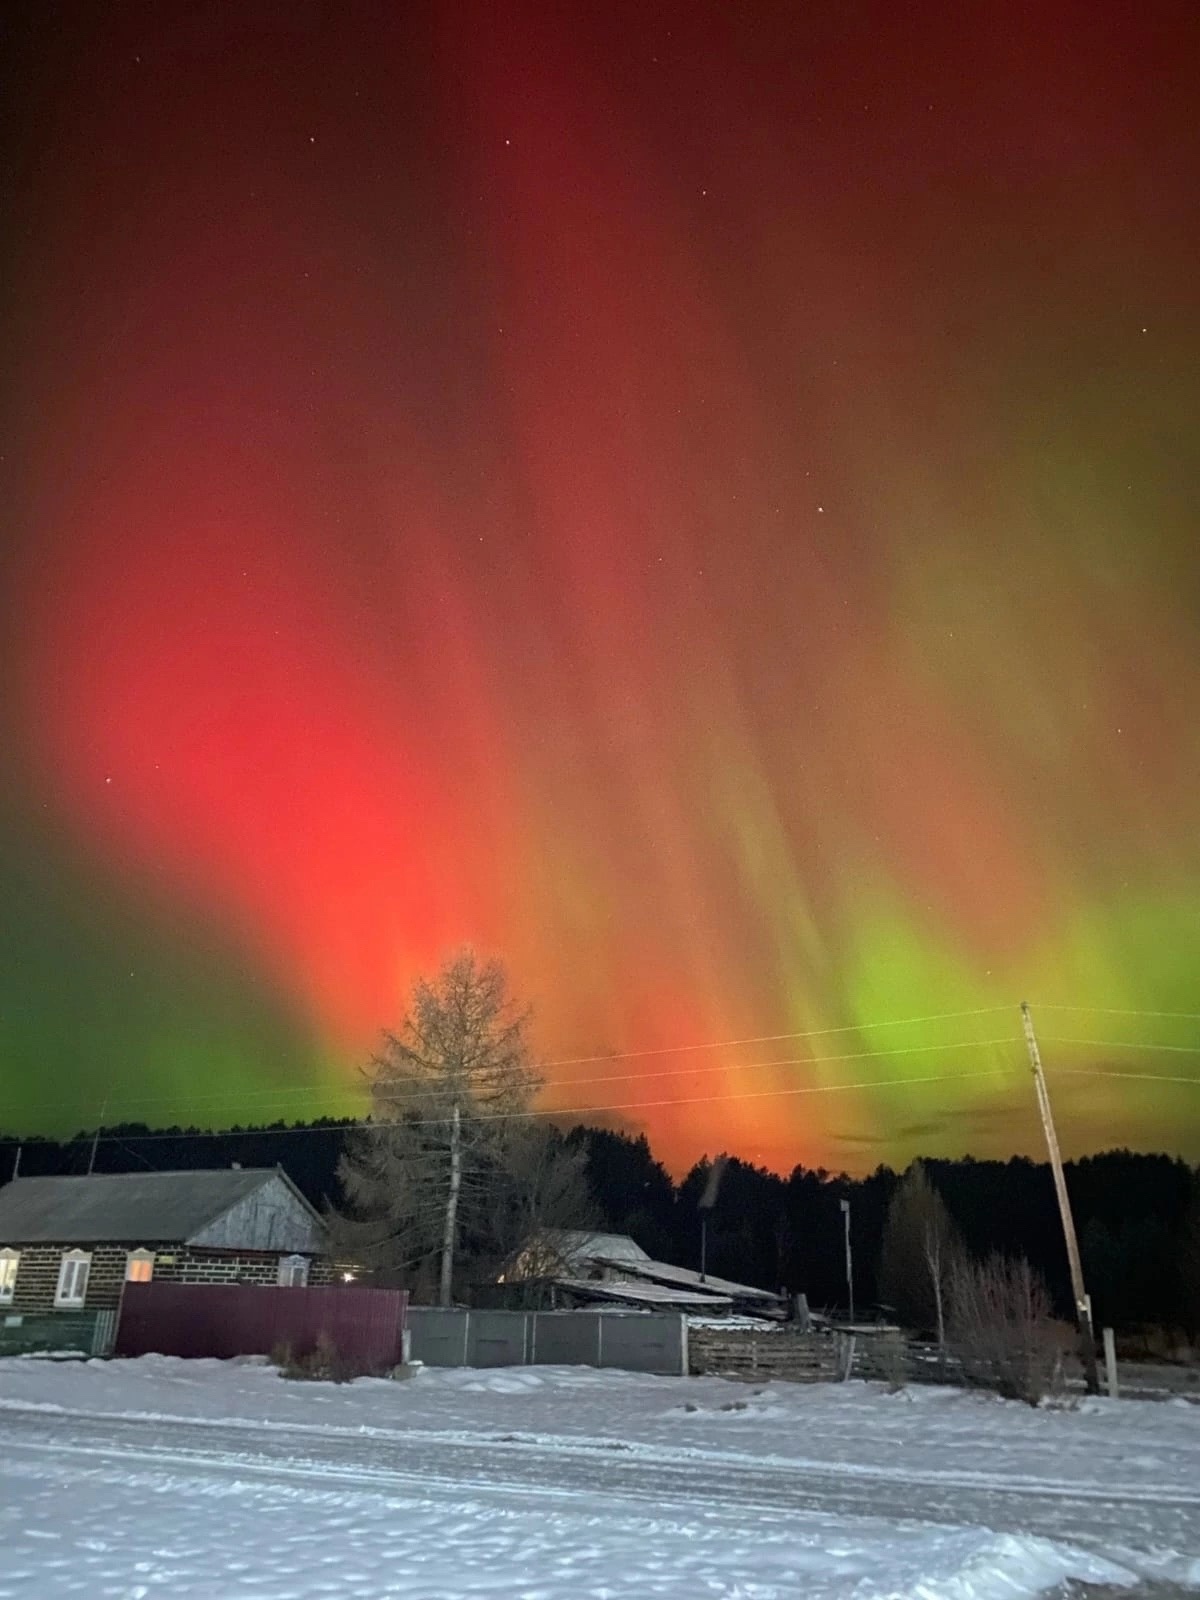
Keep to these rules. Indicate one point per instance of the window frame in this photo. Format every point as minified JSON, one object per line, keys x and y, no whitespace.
{"x":136,"y":1258}
{"x":10,"y":1258}
{"x":81,"y":1262}
{"x":286,"y":1274}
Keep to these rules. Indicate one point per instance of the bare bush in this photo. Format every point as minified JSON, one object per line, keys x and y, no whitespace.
{"x":324,"y":1363}
{"x":1002,"y":1331}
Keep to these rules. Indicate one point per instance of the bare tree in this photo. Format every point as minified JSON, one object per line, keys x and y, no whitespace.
{"x":449,"y":1093}
{"x":921,"y":1246}
{"x":547,"y":1192}
{"x":1002,"y":1330}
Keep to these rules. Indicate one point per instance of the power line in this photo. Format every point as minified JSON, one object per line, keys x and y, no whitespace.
{"x":1109,"y":1072}
{"x":573,"y":1111}
{"x":1117,"y":1011}
{"x":308,"y":1093}
{"x":416,"y":1092}
{"x":1127,"y":1044}
{"x":775,"y":1038}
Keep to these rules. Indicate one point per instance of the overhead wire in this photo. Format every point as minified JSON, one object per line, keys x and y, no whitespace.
{"x":1108,"y":1072}
{"x":415,"y":1092}
{"x":1124,"y":1044}
{"x":575,"y":1111}
{"x":309,"y":1093}
{"x":1115,"y":1011}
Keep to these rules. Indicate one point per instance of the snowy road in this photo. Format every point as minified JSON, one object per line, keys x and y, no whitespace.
{"x":513,"y":1469}
{"x":155,"y":1478}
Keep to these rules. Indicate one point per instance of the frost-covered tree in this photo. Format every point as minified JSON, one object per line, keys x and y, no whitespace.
{"x":453,"y":1171}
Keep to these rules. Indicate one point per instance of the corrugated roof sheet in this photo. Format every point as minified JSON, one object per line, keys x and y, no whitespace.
{"x":122,"y":1208}
{"x":580,"y":1244}
{"x":684,"y":1277}
{"x":644,"y":1294}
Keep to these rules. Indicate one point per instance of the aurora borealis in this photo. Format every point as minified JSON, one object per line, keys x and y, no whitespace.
{"x":699,"y":501}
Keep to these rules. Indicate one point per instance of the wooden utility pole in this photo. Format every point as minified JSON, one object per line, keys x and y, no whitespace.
{"x":845,"y":1204}
{"x":1083,"y":1304}
{"x":96,"y":1139}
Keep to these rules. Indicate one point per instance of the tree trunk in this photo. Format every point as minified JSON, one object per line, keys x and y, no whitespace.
{"x":934,"y":1260}
{"x":451,"y":1221}
{"x":941,"y":1315}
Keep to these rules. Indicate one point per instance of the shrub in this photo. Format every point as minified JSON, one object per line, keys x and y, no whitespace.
{"x":322,"y":1364}
{"x":1002,"y":1331}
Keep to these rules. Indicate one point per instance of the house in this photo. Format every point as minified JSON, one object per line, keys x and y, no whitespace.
{"x":69,"y":1244}
{"x":572,"y":1268}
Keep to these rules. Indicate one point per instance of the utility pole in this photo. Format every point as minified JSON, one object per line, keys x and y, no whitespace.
{"x":845,"y":1205}
{"x":707,"y":1201}
{"x":1083,"y":1304}
{"x":96,"y":1138}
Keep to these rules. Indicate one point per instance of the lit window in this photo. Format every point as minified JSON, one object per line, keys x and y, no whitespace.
{"x":139,"y":1266}
{"x":293,"y":1272}
{"x":8,"y":1275}
{"x":73,"y":1278}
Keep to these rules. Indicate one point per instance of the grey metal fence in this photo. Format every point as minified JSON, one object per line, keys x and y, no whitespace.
{"x":84,"y":1333}
{"x":637,"y":1341}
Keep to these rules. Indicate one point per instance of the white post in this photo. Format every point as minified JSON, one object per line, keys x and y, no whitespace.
{"x":1110,"y":1364}
{"x":849,"y":1258}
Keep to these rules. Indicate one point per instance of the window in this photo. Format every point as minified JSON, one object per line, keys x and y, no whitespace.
{"x":8,"y":1275}
{"x":139,"y":1266}
{"x":293,"y":1272}
{"x":72,"y":1278}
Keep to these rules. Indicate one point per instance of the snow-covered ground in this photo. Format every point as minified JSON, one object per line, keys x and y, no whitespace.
{"x":218,"y":1479}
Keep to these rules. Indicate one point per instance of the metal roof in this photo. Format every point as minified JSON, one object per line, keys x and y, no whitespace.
{"x":684,"y":1278}
{"x":127,"y":1207}
{"x":578,"y":1245}
{"x":644,"y":1294}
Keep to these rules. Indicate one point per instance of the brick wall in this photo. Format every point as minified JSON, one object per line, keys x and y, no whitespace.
{"x":37,"y":1272}
{"x":37,"y":1276}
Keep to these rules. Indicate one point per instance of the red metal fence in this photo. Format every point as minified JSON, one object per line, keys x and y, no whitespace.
{"x":365,"y":1326}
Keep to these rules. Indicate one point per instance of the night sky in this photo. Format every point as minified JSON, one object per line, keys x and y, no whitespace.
{"x":699,"y":501}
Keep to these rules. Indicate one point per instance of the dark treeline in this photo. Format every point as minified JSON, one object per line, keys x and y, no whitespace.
{"x":1138,"y":1216}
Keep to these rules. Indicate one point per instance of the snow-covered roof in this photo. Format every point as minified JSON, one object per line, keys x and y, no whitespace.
{"x":576,"y":1246}
{"x":683,"y":1277}
{"x":641,"y":1293}
{"x":167,"y":1207}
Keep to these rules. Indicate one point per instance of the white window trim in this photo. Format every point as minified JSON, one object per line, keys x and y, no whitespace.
{"x":73,"y":1259}
{"x":135,"y":1256}
{"x":8,"y":1281}
{"x":287,"y":1270}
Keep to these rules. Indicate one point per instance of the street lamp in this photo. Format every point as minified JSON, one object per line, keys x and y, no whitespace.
{"x":845,"y":1204}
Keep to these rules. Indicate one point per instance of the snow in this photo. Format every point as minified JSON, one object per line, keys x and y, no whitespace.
{"x":161,"y":1477}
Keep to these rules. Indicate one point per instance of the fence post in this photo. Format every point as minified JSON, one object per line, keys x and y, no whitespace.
{"x":599,"y":1338}
{"x":1110,"y":1364}
{"x":845,"y":1356}
{"x":685,"y":1358}
{"x":466,"y":1339}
